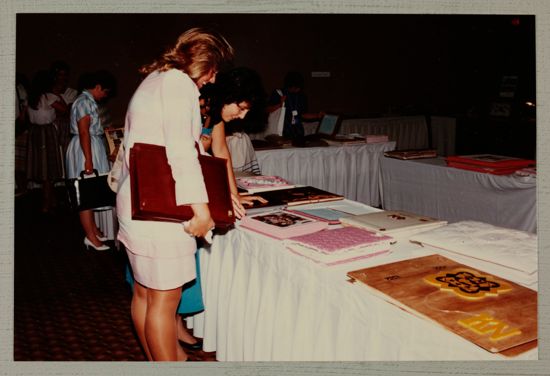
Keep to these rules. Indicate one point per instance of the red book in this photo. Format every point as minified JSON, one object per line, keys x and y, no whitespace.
{"x":491,"y":160}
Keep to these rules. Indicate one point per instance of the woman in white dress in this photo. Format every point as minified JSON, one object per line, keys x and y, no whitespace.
{"x":164,"y":110}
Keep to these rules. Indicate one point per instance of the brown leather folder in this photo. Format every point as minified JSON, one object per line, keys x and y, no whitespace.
{"x":153,"y":187}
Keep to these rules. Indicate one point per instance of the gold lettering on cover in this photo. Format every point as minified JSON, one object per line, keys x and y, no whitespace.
{"x":484,"y":324}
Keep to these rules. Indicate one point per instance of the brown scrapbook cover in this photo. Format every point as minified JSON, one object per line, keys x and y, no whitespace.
{"x":411,"y":154}
{"x":300,"y":196}
{"x":281,"y":198}
{"x":495,"y":314}
{"x":153,"y":187}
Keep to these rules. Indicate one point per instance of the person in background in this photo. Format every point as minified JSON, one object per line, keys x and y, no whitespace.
{"x":292,"y":96}
{"x":86,"y":150}
{"x":44,"y":159}
{"x":164,"y":110}
{"x":60,"y":72}
{"x":21,"y":133}
{"x":204,"y":103}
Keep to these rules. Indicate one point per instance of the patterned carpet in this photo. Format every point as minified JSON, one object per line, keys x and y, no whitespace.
{"x":70,"y":304}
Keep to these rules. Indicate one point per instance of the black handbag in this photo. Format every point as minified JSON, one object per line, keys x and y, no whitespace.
{"x":90,"y":192}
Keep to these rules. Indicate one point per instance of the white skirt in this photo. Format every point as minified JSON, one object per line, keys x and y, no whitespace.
{"x":162,"y":273}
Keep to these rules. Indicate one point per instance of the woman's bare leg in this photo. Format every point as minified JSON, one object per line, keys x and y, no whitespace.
{"x":139,"y":312}
{"x":88,"y":224}
{"x":183,"y":332}
{"x":160,"y":327}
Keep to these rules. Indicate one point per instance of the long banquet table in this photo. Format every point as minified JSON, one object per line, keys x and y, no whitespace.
{"x":429,"y":187}
{"x":264,"y":303}
{"x":349,"y":170}
{"x":409,"y":132}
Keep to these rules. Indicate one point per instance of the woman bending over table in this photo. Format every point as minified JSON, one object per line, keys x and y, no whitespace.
{"x":164,"y":110}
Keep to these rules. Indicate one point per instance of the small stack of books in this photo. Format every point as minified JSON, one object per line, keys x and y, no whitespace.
{"x":281,"y":224}
{"x":489,"y":163}
{"x":398,"y":224}
{"x":345,"y":139}
{"x":262,"y":183}
{"x":339,"y":246}
{"x":411,"y":154}
{"x":374,"y":138}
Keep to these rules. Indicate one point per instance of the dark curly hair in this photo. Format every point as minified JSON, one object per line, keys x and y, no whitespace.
{"x":238,"y":85}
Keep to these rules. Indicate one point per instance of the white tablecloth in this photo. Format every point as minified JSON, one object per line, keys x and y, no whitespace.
{"x":264,"y":303}
{"x":429,"y":187}
{"x":409,"y":132}
{"x":351,"y":170}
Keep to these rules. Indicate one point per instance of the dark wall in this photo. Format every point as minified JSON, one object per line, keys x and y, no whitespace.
{"x":378,"y":64}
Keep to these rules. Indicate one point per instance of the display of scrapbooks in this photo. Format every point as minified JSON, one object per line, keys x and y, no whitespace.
{"x":394,"y":222}
{"x":339,"y":246}
{"x":494,"y":313}
{"x":489,"y":163}
{"x":411,"y":154}
{"x":262,"y":183}
{"x":281,"y":224}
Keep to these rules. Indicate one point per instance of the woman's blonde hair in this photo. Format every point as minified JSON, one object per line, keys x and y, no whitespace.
{"x":197,"y":52}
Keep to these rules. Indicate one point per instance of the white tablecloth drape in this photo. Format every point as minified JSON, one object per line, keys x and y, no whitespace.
{"x":429,"y":187}
{"x":264,"y":303}
{"x":351,"y":170}
{"x":409,"y":132}
{"x":443,"y":132}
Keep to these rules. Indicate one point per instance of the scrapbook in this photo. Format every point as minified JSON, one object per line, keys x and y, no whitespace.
{"x":489,"y":163}
{"x":331,"y":216}
{"x":393,"y":222}
{"x":493,"y":313}
{"x":281,"y":224}
{"x":411,"y":154}
{"x":300,"y":195}
{"x":339,"y":246}
{"x":262,"y":183}
{"x":491,"y":160}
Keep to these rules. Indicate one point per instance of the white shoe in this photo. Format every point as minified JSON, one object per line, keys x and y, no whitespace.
{"x":102,"y":238}
{"x":89,"y":244}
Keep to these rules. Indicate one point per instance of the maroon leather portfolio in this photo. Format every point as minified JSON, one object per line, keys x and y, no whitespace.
{"x":153,"y":187}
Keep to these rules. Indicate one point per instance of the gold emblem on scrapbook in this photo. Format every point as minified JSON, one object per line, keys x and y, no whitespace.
{"x":467,"y":284}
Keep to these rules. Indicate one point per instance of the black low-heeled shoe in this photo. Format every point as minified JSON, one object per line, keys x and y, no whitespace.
{"x":191,"y":346}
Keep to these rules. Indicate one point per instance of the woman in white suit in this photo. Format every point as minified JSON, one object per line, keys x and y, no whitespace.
{"x":164,"y":110}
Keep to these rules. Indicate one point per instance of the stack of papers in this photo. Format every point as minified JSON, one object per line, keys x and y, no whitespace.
{"x":506,"y":252}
